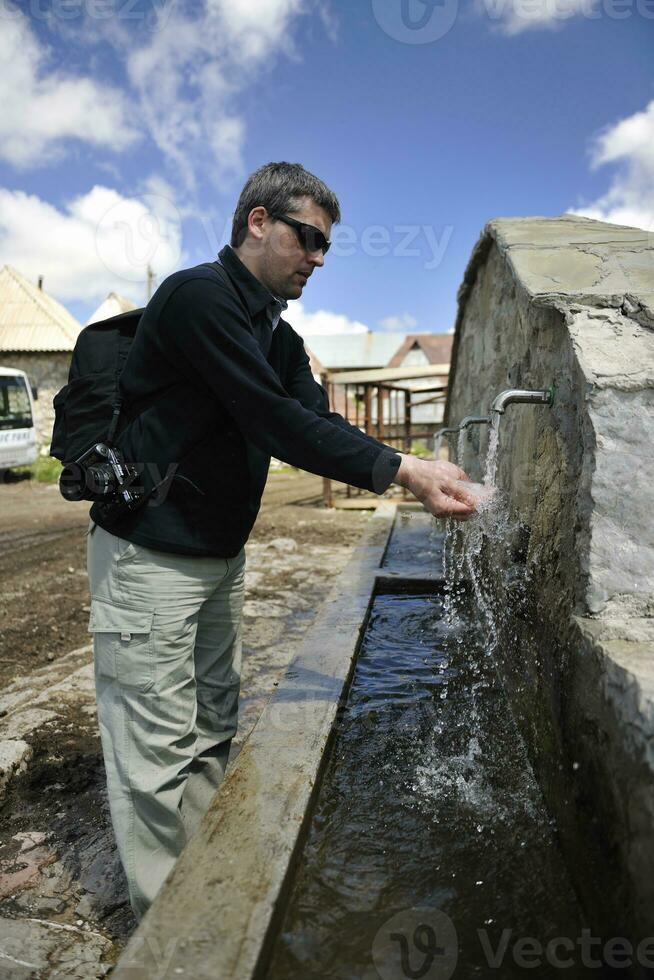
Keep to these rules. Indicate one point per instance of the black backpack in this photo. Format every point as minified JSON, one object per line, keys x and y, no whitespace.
{"x":88,"y":408}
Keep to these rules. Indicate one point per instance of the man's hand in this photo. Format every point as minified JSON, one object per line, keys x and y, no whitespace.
{"x":434,"y":483}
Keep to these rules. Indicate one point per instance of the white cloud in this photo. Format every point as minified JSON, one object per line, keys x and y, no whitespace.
{"x":100,"y":242}
{"x":252,"y":30}
{"x":321,"y":322}
{"x":183,"y":78}
{"x":629,"y":145}
{"x":516,"y":16}
{"x":189,"y":75}
{"x":41,"y":107}
{"x":403,"y":322}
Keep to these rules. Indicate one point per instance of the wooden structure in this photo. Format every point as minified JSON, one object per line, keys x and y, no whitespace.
{"x":380,"y":402}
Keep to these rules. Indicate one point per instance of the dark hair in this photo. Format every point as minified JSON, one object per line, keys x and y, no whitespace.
{"x":277,"y":187}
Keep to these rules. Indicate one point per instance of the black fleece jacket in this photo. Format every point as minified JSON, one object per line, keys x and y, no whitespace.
{"x":218,"y":409}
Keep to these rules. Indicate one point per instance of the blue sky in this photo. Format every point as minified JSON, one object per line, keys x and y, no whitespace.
{"x":124,"y":138}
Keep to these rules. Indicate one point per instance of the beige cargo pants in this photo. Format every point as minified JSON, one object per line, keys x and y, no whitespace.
{"x":167,"y":653}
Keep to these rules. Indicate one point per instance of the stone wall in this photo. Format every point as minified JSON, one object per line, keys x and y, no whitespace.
{"x":568,"y":301}
{"x":49,"y":372}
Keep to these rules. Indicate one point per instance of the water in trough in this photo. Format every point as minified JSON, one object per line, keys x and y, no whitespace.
{"x":430,"y":852}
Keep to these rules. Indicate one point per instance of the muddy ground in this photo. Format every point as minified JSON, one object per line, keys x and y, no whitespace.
{"x":63,"y":900}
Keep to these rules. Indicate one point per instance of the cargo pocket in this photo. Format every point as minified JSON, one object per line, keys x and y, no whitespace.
{"x":125,"y":551}
{"x":123,"y":644}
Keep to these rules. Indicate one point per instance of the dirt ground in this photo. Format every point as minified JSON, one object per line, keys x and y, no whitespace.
{"x":63,"y":901}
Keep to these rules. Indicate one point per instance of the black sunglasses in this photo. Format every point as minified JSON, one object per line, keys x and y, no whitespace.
{"x":311,"y":238}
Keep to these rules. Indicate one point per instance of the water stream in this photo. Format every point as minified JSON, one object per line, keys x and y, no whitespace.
{"x":429,"y":821}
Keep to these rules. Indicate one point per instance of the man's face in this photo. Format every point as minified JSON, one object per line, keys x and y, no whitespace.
{"x":284,"y":264}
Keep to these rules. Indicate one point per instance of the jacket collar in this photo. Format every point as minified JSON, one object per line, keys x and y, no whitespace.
{"x":254,"y":293}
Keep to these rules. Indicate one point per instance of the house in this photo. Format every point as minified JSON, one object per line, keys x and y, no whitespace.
{"x":37,"y":335}
{"x":420,"y":350}
{"x":351,"y":351}
{"x":113,"y":305}
{"x":368,"y":351}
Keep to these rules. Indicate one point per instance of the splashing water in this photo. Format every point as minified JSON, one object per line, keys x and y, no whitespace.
{"x":490,"y":472}
{"x":460,"y":447}
{"x":469,"y":568}
{"x":428,"y":799}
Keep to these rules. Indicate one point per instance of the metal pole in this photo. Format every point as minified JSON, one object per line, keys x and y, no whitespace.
{"x":326,"y":482}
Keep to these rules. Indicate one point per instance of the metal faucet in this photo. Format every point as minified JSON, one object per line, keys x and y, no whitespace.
{"x":513,"y":395}
{"x":438,"y":436}
{"x":474,"y":420}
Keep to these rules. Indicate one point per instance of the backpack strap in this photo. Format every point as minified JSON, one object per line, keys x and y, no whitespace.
{"x":117,"y":406}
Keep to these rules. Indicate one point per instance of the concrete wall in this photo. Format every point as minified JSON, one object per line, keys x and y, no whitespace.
{"x":569,"y":301}
{"x":49,"y":372}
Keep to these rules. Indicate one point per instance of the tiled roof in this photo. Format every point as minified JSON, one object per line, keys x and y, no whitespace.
{"x":437,"y":348}
{"x":30,"y":320}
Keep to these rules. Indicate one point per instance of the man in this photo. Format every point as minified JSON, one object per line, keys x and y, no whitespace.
{"x":215,"y":384}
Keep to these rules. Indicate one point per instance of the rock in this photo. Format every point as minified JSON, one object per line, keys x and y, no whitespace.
{"x":14,"y":756}
{"x":102,"y":878}
{"x":260,"y":607}
{"x":283,"y":545}
{"x":21,"y":861}
{"x":52,"y":950}
{"x":21,"y":724}
{"x":252,"y":580}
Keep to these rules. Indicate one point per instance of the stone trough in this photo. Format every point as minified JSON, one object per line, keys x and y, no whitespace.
{"x":570,"y":301}
{"x":565,"y":301}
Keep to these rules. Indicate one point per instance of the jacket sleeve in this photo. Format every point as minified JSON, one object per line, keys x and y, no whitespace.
{"x":306,"y":389}
{"x":205,"y":332}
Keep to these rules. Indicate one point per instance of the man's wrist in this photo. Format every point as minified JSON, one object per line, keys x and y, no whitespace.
{"x":406,"y":473}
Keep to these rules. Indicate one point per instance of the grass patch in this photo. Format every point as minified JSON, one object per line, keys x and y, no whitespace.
{"x":47,"y":469}
{"x":420,"y":449}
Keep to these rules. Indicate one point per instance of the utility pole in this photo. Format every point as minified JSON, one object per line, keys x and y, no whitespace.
{"x":150,"y":284}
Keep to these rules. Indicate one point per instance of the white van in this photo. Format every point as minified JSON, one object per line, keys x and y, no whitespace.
{"x":17,"y":435}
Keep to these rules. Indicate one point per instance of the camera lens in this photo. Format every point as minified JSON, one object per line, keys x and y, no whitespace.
{"x":72,"y":484}
{"x":100,"y":480}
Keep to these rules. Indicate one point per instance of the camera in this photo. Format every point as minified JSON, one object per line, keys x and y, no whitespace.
{"x":101,"y":474}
